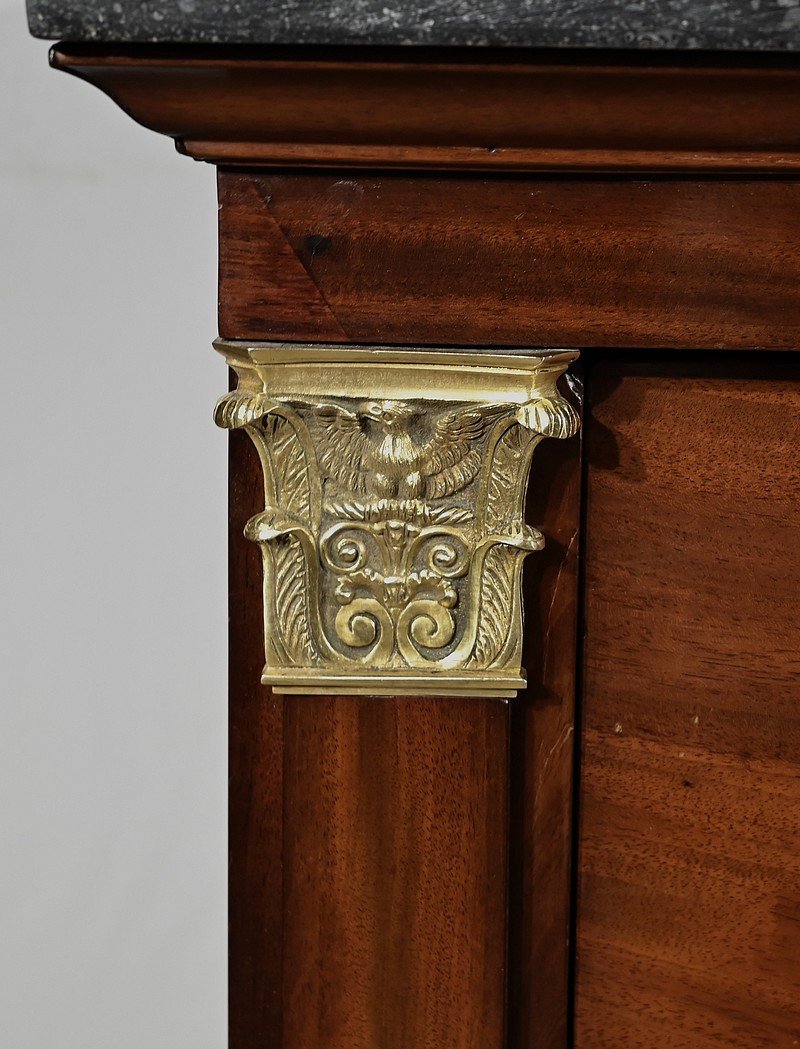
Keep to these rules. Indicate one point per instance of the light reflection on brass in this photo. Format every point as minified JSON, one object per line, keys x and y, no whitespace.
{"x":392,"y":534}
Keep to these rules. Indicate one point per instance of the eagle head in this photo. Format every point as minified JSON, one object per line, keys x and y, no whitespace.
{"x":391,"y":416}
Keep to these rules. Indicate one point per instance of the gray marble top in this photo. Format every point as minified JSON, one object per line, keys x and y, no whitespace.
{"x":683,"y":24}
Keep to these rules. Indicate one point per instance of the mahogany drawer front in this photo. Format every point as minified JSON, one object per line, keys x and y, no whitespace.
{"x":689,"y":845}
{"x":523,"y":261}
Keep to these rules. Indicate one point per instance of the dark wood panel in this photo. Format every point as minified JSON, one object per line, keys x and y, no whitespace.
{"x":542,"y":746}
{"x":479,"y":109}
{"x":395,"y":873}
{"x":689,"y":904}
{"x":255,"y":784}
{"x":260,"y":270}
{"x":471,"y":261}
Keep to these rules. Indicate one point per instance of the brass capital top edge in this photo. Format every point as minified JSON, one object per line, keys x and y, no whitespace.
{"x":391,"y":353}
{"x":455,"y":375}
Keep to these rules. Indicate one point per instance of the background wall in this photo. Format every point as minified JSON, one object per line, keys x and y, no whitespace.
{"x":112,"y":576}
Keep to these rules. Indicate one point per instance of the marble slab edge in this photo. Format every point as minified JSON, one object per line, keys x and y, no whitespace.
{"x":741,"y":25}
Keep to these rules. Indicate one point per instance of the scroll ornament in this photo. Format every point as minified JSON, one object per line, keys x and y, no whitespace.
{"x":393,"y":535}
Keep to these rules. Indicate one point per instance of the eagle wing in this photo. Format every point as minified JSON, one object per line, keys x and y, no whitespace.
{"x":342,"y":445}
{"x":451,"y":459}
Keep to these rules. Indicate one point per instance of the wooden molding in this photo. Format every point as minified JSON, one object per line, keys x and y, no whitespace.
{"x":479,"y":110}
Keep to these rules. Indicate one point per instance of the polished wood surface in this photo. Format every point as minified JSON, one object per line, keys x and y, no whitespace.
{"x":542,"y":747}
{"x":395,"y":873}
{"x":689,"y":902}
{"x":255,"y":781}
{"x":476,"y":108}
{"x":509,"y":261}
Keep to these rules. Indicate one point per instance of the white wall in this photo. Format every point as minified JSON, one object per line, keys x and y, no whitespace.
{"x":112,"y":576}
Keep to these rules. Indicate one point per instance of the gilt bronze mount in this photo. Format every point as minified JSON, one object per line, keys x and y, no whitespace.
{"x":393,"y":533}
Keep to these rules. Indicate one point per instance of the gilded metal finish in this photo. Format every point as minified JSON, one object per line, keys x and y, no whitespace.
{"x":392,"y":534}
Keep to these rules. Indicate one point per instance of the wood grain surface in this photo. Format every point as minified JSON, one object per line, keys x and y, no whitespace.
{"x":395,"y":873}
{"x":255,"y":781}
{"x":509,"y":261}
{"x":689,"y":904}
{"x":542,"y":748}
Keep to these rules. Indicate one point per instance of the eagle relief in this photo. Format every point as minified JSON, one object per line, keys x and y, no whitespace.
{"x":393,"y":535}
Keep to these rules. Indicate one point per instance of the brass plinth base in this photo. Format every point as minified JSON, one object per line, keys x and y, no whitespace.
{"x":482,"y":685}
